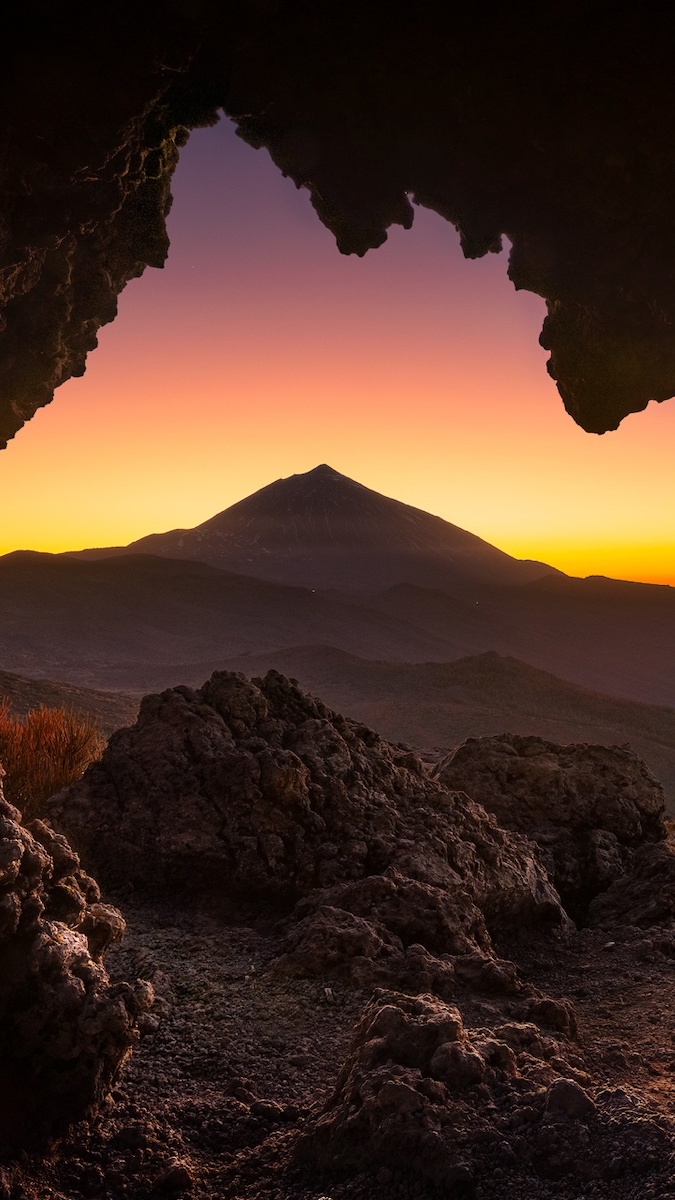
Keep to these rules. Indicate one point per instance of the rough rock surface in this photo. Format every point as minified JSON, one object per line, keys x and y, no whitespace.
{"x":244,"y":1060}
{"x":587,"y":807}
{"x":643,"y":896}
{"x":554,"y":127}
{"x":420,"y":1093}
{"x":254,"y":788}
{"x":398,"y":931}
{"x":65,"y":1031}
{"x":546,"y":1074}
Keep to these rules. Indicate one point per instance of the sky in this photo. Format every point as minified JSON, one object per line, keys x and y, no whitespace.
{"x":259,"y":351}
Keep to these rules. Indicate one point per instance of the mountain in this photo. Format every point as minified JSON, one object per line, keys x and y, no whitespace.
{"x":606,"y":634}
{"x":323,"y":530}
{"x":322,"y":560}
{"x":110,"y":710}
{"x":440,"y":704}
{"x":143,"y":622}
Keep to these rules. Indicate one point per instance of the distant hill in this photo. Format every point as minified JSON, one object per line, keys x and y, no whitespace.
{"x":142,"y":622}
{"x":318,"y":559}
{"x":109,"y":710}
{"x":323,"y":530}
{"x":438,"y":705}
{"x":611,"y":635}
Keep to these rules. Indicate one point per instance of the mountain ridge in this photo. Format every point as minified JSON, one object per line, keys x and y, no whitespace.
{"x":320,"y":528}
{"x":326,"y":560}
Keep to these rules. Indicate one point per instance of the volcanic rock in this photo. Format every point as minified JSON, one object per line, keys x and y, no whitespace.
{"x":255,"y":789}
{"x":423,"y":1096}
{"x":587,"y":807}
{"x":419,"y":1090}
{"x":65,"y":1032}
{"x":371,"y":115}
{"x":644,"y":896}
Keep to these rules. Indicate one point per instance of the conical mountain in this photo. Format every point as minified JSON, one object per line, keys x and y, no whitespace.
{"x":321,"y":529}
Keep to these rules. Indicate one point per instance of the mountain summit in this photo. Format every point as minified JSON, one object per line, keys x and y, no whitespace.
{"x":322,"y":529}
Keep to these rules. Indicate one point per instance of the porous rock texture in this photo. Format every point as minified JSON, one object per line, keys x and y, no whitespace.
{"x":588,"y":808}
{"x":347,"y":868}
{"x":644,"y":896}
{"x":256,"y":789}
{"x":458,"y":1108}
{"x":65,"y":1031}
{"x":553,"y":125}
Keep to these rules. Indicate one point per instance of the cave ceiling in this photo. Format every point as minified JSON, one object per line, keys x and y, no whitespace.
{"x":552,"y":126}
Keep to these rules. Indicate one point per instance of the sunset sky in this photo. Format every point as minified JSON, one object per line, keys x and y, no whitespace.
{"x":260,"y":351}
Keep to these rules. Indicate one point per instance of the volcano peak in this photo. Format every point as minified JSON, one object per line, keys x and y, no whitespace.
{"x":319,"y":529}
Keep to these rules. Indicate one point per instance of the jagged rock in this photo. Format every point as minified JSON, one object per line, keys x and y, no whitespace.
{"x":419,"y":1091}
{"x":587,"y":807}
{"x":644,"y":896}
{"x":388,"y":929}
{"x":65,"y":1032}
{"x":367,"y":114}
{"x":422,"y":1096}
{"x":253,"y":788}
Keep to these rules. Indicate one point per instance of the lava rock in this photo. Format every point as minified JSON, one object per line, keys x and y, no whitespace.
{"x":644,"y":896}
{"x":420,"y":1092}
{"x":372,"y":117}
{"x":65,"y":1031}
{"x":256,"y":789}
{"x":259,"y":789}
{"x":587,"y":807}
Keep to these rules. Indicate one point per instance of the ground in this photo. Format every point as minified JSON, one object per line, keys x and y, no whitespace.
{"x":237,"y":1058}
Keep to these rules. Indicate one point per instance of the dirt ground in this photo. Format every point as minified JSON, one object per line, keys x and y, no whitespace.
{"x":236,"y":1059}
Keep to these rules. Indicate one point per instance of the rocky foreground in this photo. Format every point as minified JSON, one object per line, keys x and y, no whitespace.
{"x":355,"y":978}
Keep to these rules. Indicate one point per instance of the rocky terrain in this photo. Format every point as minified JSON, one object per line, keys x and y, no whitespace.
{"x":369,"y":980}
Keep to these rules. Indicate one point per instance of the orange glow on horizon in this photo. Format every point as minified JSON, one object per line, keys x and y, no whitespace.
{"x":259,"y":352}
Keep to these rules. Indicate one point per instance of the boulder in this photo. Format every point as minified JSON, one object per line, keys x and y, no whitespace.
{"x":256,"y":789}
{"x":65,"y":1031}
{"x":587,"y":807}
{"x":419,"y":1092}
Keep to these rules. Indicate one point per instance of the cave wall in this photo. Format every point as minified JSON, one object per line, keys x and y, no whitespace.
{"x":553,"y":127}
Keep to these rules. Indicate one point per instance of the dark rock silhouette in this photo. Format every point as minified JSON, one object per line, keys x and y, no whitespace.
{"x":321,"y":529}
{"x":254,"y":788}
{"x":587,"y":807}
{"x":552,"y":127}
{"x":65,"y":1031}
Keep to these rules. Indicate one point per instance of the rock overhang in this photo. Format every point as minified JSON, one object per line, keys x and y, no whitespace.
{"x":553,"y":127}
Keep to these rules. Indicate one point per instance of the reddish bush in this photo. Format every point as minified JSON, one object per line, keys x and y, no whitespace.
{"x":44,"y":751}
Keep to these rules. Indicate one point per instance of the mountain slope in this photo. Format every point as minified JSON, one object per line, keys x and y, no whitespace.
{"x":319,"y":559}
{"x":139,"y":622}
{"x":321,"y":529}
{"x":110,"y":710}
{"x":613,"y":636}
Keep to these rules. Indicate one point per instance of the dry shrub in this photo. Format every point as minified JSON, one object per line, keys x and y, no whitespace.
{"x":44,"y":751}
